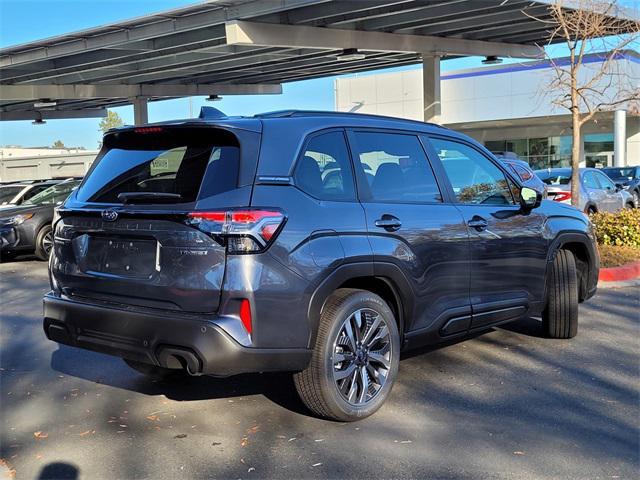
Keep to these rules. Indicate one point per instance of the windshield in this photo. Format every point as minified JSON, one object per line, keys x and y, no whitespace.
{"x":554,"y":178}
{"x":8,"y":192}
{"x":624,"y":173}
{"x":161,"y":161}
{"x":53,"y":195}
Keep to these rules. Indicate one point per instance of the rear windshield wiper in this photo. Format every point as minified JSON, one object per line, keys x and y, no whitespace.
{"x":149,"y":197}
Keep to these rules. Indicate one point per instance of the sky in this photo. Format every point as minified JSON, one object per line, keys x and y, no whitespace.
{"x":19,"y":24}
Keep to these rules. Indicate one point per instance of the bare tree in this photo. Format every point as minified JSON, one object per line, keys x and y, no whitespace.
{"x":589,"y":28}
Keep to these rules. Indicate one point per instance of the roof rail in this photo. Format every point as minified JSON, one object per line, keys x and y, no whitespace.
{"x":319,"y":113}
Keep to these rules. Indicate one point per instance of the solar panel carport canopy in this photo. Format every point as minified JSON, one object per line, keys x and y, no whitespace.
{"x":252,"y":47}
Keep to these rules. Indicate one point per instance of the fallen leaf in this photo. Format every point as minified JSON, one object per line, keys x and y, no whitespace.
{"x":518,"y":453}
{"x":87,"y":433}
{"x":152,"y":417}
{"x":181,"y":435}
{"x":40,"y":434}
{"x":244,"y":442}
{"x":254,"y":429}
{"x":251,"y":469}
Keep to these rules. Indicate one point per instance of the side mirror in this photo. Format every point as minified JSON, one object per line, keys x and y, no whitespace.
{"x":529,"y":198}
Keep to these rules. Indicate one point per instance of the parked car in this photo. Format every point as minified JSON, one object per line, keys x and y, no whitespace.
{"x":598,"y":193}
{"x":27,"y":228}
{"x":245,"y":259}
{"x":526,"y":175}
{"x":13,"y":194}
{"x":629,"y":178}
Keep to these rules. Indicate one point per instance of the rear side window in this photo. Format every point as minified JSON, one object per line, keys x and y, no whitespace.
{"x":474,"y":178}
{"x":324,"y":169}
{"x":7,"y":193}
{"x":396,"y":168}
{"x":604,"y":181}
{"x":158,"y":160}
{"x":590,"y":181}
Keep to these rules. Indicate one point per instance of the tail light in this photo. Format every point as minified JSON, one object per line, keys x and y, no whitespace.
{"x":561,"y":196}
{"x":241,"y":230}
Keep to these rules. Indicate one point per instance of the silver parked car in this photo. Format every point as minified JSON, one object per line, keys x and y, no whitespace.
{"x":598,"y":193}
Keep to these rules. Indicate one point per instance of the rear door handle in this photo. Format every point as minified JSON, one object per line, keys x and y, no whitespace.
{"x":478,"y":223}
{"x":389,"y":223}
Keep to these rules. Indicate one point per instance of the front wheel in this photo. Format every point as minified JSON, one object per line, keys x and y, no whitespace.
{"x":355,"y":360}
{"x":560,"y":317}
{"x":636,"y":199}
{"x":44,"y":243}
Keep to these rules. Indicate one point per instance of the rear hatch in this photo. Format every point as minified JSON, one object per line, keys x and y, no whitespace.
{"x":124,"y":235}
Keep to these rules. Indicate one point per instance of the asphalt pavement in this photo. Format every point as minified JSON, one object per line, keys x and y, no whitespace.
{"x":504,"y":404}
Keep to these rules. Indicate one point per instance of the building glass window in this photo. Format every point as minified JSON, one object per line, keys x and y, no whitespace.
{"x":518,"y":146}
{"x":598,"y":149}
{"x":555,"y":152}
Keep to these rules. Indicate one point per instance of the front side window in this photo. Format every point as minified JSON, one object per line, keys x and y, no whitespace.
{"x":474,"y":178}
{"x":34,"y":191}
{"x":606,"y":183}
{"x":396,"y":168}
{"x":53,"y":195}
{"x":324,"y":168}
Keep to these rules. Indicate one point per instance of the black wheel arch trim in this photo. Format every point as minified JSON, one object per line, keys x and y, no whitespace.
{"x":593,"y":263}
{"x":389,"y":273}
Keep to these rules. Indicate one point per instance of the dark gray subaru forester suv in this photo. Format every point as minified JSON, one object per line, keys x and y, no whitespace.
{"x":313,"y":242}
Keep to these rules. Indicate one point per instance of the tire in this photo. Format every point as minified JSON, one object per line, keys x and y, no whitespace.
{"x":590,"y":210}
{"x":560,"y":316}
{"x":156,"y":373}
{"x":636,"y":199}
{"x":629,"y":205}
{"x":44,"y":243}
{"x":320,"y":386}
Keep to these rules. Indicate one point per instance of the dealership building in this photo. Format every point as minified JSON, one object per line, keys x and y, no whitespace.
{"x":506,"y":108}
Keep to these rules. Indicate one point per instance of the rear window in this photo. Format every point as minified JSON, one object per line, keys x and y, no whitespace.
{"x":552,"y":178}
{"x":165,"y":161}
{"x":620,"y":173}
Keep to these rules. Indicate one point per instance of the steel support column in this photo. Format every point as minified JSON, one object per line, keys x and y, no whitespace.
{"x":431,"y":101}
{"x":140,"y":110}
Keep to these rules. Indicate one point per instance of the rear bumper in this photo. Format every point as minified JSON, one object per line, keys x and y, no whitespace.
{"x":166,"y":339}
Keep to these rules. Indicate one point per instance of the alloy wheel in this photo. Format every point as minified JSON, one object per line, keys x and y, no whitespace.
{"x":362,"y":356}
{"x":47,"y":242}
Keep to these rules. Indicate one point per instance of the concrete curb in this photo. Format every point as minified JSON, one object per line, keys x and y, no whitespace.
{"x":624,"y":273}
{"x":614,"y":285}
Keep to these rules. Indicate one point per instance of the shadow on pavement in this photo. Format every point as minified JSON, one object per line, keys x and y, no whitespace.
{"x":277,"y":387}
{"x":59,"y":471}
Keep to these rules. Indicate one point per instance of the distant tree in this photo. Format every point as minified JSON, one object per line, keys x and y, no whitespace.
{"x":112,"y":120}
{"x":58,"y":144}
{"x":589,"y":28}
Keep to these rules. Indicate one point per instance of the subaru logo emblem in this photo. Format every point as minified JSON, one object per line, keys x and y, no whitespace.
{"x":109,"y":215}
